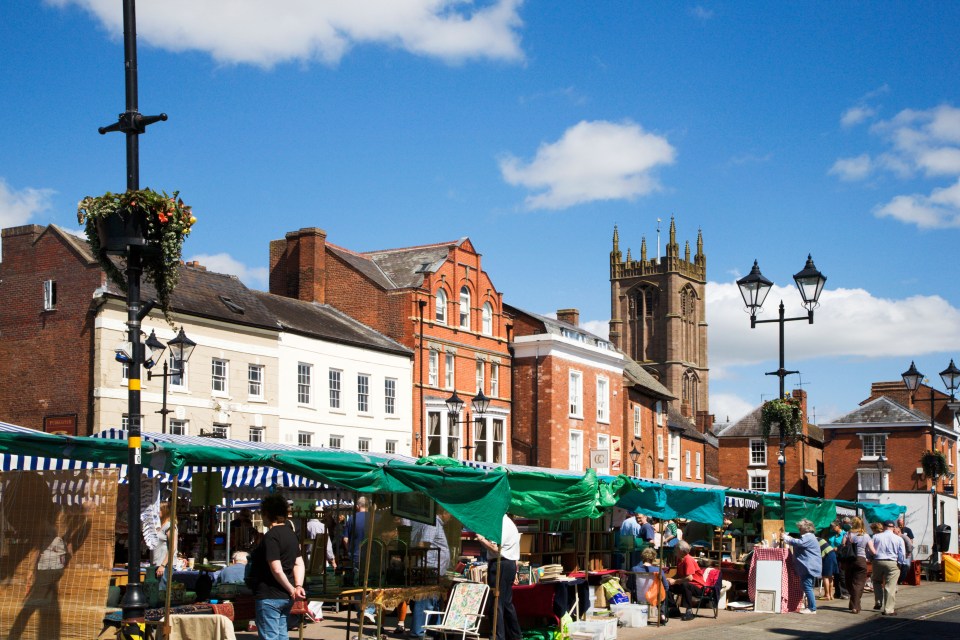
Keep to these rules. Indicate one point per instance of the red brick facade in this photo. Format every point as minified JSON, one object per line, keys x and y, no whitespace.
{"x":404,"y":308}
{"x":43,"y":376}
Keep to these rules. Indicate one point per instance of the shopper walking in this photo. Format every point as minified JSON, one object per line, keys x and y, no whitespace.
{"x":806,"y":560}
{"x":856,"y":569}
{"x":889,"y":553}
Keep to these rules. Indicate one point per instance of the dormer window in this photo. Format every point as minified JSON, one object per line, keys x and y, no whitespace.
{"x":49,"y":295}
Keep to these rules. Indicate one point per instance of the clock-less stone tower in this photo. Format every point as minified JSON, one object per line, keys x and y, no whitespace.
{"x":658,"y":317}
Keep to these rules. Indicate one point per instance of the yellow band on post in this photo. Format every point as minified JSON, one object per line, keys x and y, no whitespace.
{"x":134,"y":385}
{"x":133,"y":442}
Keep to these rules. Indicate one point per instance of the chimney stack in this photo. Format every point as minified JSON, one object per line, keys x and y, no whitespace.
{"x":298,"y":265}
{"x":570,"y":316}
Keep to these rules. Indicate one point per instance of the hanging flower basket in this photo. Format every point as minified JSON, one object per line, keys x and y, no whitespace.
{"x":934,"y":464}
{"x":782,"y":411}
{"x":155,"y":222}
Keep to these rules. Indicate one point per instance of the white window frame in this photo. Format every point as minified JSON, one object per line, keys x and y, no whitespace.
{"x":219,"y":380}
{"x":495,"y":380}
{"x":178,"y":427}
{"x":697,"y":466}
{"x":363,"y":445}
{"x":603,"y":442}
{"x":875,"y":443}
{"x":637,"y":424}
{"x":335,"y":388}
{"x":575,"y":450}
{"x":603,"y":400}
{"x":363,"y":392}
{"x":304,"y":438}
{"x":433,"y":366}
{"x":124,"y":372}
{"x":758,"y":452}
{"x":661,"y":414}
{"x":390,"y":396}
{"x":335,"y":441}
{"x":486,"y":326}
{"x":878,"y":481}
{"x":464,"y":308}
{"x":440,"y":307}
{"x":255,"y":381}
{"x":481,"y":371}
{"x":220,"y":429}
{"x":443,"y":434}
{"x":49,"y":295}
{"x":575,"y":394}
{"x":449,"y":370}
{"x":390,"y":447}
{"x":304,"y":384}
{"x":659,"y":446}
{"x":754,"y":481}
{"x":178,"y":381}
{"x":686,"y":463}
{"x":255,"y":434}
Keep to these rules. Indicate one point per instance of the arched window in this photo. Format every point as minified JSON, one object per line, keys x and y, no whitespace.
{"x":487,"y":319}
{"x":464,"y":308}
{"x":441,"y":314}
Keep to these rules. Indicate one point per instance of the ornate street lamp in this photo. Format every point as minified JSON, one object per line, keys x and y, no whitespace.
{"x":951,"y":380}
{"x":181,"y":348}
{"x":479,"y":404}
{"x":754,"y":289}
{"x":635,"y":459}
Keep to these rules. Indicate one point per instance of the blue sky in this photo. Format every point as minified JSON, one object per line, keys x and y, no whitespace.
{"x":533,"y":127}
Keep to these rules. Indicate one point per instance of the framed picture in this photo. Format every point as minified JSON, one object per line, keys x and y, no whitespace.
{"x":766,"y":602}
{"x":415,"y":506}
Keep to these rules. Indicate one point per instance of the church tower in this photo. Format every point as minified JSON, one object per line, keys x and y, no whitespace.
{"x":658,"y":317}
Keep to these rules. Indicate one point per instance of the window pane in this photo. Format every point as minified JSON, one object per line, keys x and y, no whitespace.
{"x":498,"y":441}
{"x":450,"y":371}
{"x":453,"y":438}
{"x":363,"y":445}
{"x":304,"y":372}
{"x":255,"y":380}
{"x":433,"y":434}
{"x":390,"y":396}
{"x":464,"y":308}
{"x":494,"y":380}
{"x":441,"y":307}
{"x":363,"y":392}
{"x":434,"y":365}
{"x":334,"y":389}
{"x":487,"y":319}
{"x":391,"y":446}
{"x":256,"y":434}
{"x":219,"y":375}
{"x":304,"y":439}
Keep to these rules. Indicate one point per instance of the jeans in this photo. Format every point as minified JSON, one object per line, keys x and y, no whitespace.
{"x":807,"y":582}
{"x":508,"y":627}
{"x":271,"y":617}
{"x":420,"y":608}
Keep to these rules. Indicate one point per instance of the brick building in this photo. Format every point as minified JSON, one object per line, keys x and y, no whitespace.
{"x":747,"y":460}
{"x":571,"y":382}
{"x":645,"y":410}
{"x":872,"y":454}
{"x":61,"y":322}
{"x":436,"y":300}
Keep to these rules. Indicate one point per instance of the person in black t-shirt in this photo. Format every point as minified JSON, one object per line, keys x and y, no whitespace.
{"x":277,"y":570}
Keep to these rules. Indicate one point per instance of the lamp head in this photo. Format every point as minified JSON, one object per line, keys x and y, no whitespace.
{"x":454,"y":405}
{"x":181,"y":347}
{"x":754,"y":288}
{"x":634,"y":454}
{"x":951,"y":377}
{"x":810,"y":283}
{"x":912,"y":377}
{"x":154,"y":350}
{"x":480,"y":402}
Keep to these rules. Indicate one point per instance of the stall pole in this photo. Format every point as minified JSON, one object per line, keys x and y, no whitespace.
{"x":586,"y":559}
{"x":496,"y":595}
{"x":371,"y":514}
{"x":227,"y":527}
{"x":660,"y":577}
{"x":173,"y":535}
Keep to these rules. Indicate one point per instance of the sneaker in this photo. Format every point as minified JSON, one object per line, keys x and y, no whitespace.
{"x":808,"y":612}
{"x":400,"y":630}
{"x":877,"y":607}
{"x":369,"y":617}
{"x":688,"y":616}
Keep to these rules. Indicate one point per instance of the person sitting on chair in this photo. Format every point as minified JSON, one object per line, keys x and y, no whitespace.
{"x":688,"y":581}
{"x":235,"y":572}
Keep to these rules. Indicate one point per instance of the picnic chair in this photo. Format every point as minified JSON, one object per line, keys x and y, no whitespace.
{"x":657,"y":599}
{"x":464,"y":611}
{"x":710,"y":594}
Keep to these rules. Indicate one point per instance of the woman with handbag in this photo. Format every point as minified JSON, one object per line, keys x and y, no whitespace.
{"x":855,"y":543}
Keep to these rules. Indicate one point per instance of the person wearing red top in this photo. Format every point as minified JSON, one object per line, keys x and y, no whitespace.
{"x":687,"y":582}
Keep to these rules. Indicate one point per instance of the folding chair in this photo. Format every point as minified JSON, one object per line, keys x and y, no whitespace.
{"x":710,"y":594}
{"x":464,"y":611}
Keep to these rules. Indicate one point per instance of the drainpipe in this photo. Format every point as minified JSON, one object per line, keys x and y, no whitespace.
{"x":421,"y":304}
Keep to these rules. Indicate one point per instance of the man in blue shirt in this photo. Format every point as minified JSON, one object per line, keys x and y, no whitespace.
{"x":631,"y":525}
{"x":888,"y":553}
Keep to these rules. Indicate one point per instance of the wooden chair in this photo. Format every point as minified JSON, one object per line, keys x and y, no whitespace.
{"x":464,"y":611}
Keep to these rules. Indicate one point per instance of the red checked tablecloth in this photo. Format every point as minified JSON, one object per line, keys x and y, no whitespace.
{"x":791,"y":592}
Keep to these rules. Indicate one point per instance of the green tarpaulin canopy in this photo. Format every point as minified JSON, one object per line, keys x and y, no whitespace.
{"x":669,"y":501}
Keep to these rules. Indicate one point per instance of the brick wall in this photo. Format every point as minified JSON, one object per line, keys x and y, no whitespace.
{"x":45,"y":356}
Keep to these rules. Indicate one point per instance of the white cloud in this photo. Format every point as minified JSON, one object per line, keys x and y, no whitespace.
{"x":939,"y":210}
{"x":855,"y":115}
{"x":850,"y":322}
{"x":267,"y":33}
{"x":852,"y":169}
{"x":599,"y":328}
{"x":18,"y":207}
{"x":727,"y":407}
{"x":253,"y":277}
{"x":701,"y":13}
{"x":596,"y":160}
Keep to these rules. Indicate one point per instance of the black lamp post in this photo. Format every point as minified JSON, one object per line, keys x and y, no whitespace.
{"x":181,"y":348}
{"x":132,"y":124}
{"x":754,"y":289}
{"x":951,"y":380}
{"x":479,"y":405}
{"x":634,"y":458}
